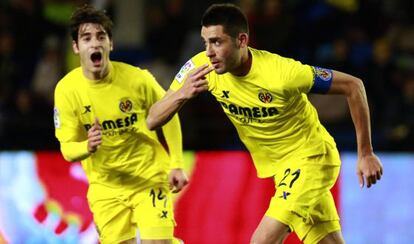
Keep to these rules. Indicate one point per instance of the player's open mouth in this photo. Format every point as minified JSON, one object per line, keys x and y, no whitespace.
{"x":96,"y":58}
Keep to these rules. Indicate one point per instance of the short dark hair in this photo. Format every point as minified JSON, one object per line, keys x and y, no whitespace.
{"x":88,"y":14}
{"x":228,"y":15}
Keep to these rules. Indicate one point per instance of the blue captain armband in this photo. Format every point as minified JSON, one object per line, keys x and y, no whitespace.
{"x":322,"y":80}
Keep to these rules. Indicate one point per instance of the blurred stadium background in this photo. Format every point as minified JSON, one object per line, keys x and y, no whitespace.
{"x":372,"y":39}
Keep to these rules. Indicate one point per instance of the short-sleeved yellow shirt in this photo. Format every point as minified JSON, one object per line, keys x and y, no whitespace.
{"x":269,"y":108}
{"x":130,"y":155}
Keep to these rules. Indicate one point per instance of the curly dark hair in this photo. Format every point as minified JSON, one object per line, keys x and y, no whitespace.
{"x":88,"y":14}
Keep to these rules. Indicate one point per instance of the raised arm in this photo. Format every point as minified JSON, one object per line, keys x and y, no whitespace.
{"x":369,"y":167}
{"x":163,"y":110}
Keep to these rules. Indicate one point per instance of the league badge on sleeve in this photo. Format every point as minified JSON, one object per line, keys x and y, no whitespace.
{"x":184,"y":70}
{"x":56,"y":118}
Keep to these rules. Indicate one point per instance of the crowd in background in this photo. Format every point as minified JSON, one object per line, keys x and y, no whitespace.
{"x":371,"y":39}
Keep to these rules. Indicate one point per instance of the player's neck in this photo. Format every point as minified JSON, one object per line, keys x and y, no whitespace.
{"x":99,"y":75}
{"x":96,"y":75}
{"x":245,"y":64}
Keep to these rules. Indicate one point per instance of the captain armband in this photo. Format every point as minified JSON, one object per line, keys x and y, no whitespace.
{"x":322,"y":80}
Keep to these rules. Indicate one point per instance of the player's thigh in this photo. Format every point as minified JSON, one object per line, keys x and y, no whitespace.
{"x":333,"y":238}
{"x":130,"y":241}
{"x":156,"y":241}
{"x":153,"y":212}
{"x":269,"y":231}
{"x":113,"y":221}
{"x":324,"y":232}
{"x":302,"y":198}
{"x":134,"y":241}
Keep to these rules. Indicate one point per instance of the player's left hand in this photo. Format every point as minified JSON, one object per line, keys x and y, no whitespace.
{"x":369,"y":170}
{"x":177,"y":179}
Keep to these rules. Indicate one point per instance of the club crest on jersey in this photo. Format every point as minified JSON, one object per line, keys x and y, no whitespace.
{"x":125,"y":105}
{"x":323,"y":74}
{"x":265,"y":97}
{"x":184,"y":70}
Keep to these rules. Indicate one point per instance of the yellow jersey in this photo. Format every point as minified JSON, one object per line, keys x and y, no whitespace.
{"x":130,"y":154}
{"x":269,"y":107}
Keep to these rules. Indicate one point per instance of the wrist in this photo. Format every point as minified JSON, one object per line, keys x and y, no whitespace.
{"x":368,"y":151}
{"x":182,"y":97}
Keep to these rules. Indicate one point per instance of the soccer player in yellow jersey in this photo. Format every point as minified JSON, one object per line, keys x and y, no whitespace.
{"x":99,"y":115}
{"x":264,"y":96}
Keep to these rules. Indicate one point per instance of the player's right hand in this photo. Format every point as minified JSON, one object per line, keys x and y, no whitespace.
{"x":94,"y":136}
{"x":196,"y":82}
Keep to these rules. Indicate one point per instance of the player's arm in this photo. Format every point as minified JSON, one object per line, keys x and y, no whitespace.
{"x":163,"y":110}
{"x":173,"y":137}
{"x":75,"y":151}
{"x":369,"y":168}
{"x":319,"y":80}
{"x":172,"y":134}
{"x":73,"y":145}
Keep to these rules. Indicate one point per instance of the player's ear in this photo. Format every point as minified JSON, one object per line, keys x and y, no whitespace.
{"x":243,"y":40}
{"x":75,"y":47}
{"x":111,"y":45}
